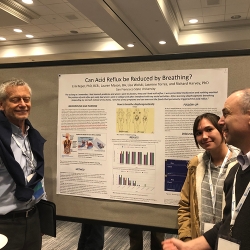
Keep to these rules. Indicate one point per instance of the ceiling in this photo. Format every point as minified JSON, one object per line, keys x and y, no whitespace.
{"x":84,"y":29}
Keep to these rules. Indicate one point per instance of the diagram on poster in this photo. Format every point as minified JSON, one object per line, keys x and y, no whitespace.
{"x":135,"y":120}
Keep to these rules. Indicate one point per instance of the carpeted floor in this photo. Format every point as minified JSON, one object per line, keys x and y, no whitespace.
{"x":68,"y":235}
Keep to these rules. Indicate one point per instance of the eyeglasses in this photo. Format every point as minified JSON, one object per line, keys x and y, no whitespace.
{"x":19,"y":99}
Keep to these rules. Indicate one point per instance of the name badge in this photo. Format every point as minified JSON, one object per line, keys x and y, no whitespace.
{"x":228,"y":243}
{"x":208,"y":226}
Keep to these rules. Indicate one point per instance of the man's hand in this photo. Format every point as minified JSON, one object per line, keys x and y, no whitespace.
{"x":196,"y":244}
{"x":172,"y":244}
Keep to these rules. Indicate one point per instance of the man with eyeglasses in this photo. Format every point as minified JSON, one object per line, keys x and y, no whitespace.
{"x":21,"y":168}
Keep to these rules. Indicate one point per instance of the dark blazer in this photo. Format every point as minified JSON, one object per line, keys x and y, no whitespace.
{"x":23,"y":192}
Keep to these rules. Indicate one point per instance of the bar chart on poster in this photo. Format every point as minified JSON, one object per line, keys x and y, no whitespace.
{"x":138,"y":180}
{"x":135,"y":156}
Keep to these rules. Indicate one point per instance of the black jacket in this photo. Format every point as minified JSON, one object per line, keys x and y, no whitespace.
{"x":23,"y":192}
{"x":241,"y":229}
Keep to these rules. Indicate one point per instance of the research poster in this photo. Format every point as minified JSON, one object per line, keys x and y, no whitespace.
{"x":128,"y":135}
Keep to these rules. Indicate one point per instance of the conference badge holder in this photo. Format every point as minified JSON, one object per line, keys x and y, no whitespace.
{"x":227,"y":242}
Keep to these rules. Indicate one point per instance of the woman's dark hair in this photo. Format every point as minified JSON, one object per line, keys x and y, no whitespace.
{"x":213,"y":118}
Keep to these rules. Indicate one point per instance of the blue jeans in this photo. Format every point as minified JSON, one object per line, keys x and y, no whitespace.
{"x":91,"y":237}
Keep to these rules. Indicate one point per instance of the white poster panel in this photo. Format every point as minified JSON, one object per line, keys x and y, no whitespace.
{"x":128,"y":135}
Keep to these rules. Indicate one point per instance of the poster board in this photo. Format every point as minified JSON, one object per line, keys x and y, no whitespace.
{"x":128,"y":135}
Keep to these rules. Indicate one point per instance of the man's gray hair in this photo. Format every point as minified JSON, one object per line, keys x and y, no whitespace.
{"x":245,"y":100}
{"x":10,"y":83}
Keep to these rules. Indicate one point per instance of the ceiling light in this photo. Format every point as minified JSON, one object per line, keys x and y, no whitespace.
{"x":18,"y":30}
{"x":236,"y":17}
{"x":130,"y":45}
{"x":16,"y":9}
{"x":162,"y":42}
{"x":29,"y":36}
{"x":74,"y":31}
{"x":27,"y":1}
{"x":10,"y":53}
{"x":2,"y":39}
{"x":193,"y":21}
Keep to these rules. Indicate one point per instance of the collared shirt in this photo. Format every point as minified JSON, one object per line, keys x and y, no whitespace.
{"x":244,"y":160}
{"x":7,"y":199}
{"x":19,"y":144}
